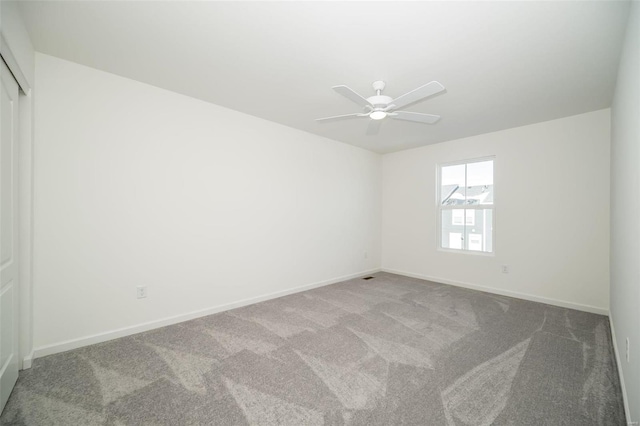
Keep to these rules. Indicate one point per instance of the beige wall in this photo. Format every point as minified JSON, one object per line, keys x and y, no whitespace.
{"x":552,"y":212}
{"x":625,"y":210}
{"x":208,"y":207}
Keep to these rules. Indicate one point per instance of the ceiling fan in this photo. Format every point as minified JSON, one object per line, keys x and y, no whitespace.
{"x":379,"y":106}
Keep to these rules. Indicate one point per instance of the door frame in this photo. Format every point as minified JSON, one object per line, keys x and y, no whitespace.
{"x":25,"y":206}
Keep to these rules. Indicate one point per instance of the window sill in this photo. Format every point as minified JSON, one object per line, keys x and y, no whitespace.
{"x":471,"y":252}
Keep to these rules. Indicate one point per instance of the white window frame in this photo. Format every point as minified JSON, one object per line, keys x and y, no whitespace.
{"x":440,"y":208}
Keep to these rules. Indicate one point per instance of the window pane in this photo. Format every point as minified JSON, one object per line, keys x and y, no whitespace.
{"x":452,"y":190}
{"x":457,"y":217}
{"x":452,"y":229}
{"x":455,"y":240}
{"x":470,"y":217}
{"x":479,"y":237}
{"x":480,"y":183}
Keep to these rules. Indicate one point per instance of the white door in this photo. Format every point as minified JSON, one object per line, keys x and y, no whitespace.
{"x":8,"y":233}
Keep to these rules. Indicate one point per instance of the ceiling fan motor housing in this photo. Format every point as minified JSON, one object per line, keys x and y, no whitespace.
{"x":380,"y":100}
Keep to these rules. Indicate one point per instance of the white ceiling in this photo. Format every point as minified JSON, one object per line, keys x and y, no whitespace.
{"x":504,"y":64}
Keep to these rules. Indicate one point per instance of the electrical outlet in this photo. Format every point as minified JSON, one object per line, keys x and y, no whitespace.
{"x":141,"y":291}
{"x":505,"y":269}
{"x":627,"y":349}
{"x":366,"y":255}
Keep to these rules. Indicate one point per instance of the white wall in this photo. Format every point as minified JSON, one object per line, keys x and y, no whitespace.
{"x":552,"y":212}
{"x":206,"y":206}
{"x":625,"y":210}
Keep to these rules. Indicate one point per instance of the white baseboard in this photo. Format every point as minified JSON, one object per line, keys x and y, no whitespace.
{"x":516,"y":294}
{"x":625,"y":400}
{"x":27,"y":361}
{"x":127,"y":331}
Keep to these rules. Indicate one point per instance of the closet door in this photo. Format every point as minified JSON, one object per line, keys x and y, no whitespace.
{"x":9,"y":286}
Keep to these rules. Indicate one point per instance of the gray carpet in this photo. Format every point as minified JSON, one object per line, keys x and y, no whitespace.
{"x":387,"y":351}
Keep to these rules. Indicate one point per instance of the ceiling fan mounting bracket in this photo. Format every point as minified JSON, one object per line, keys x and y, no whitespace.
{"x":378,"y":85}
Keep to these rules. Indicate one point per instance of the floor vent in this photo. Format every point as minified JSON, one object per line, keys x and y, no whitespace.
{"x":368,"y":278}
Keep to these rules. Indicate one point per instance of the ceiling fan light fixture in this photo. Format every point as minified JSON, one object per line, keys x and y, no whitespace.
{"x":377,"y":115}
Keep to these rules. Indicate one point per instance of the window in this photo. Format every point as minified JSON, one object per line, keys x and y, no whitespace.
{"x":466,"y":204}
{"x":458,"y":215}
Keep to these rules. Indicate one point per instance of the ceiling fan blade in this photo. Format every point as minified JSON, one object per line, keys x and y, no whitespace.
{"x":340,"y":117}
{"x":374,"y":127}
{"x":351,"y":95}
{"x":420,"y":93}
{"x":417,"y":117}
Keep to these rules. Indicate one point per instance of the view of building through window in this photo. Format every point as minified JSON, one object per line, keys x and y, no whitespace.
{"x":466,"y":194}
